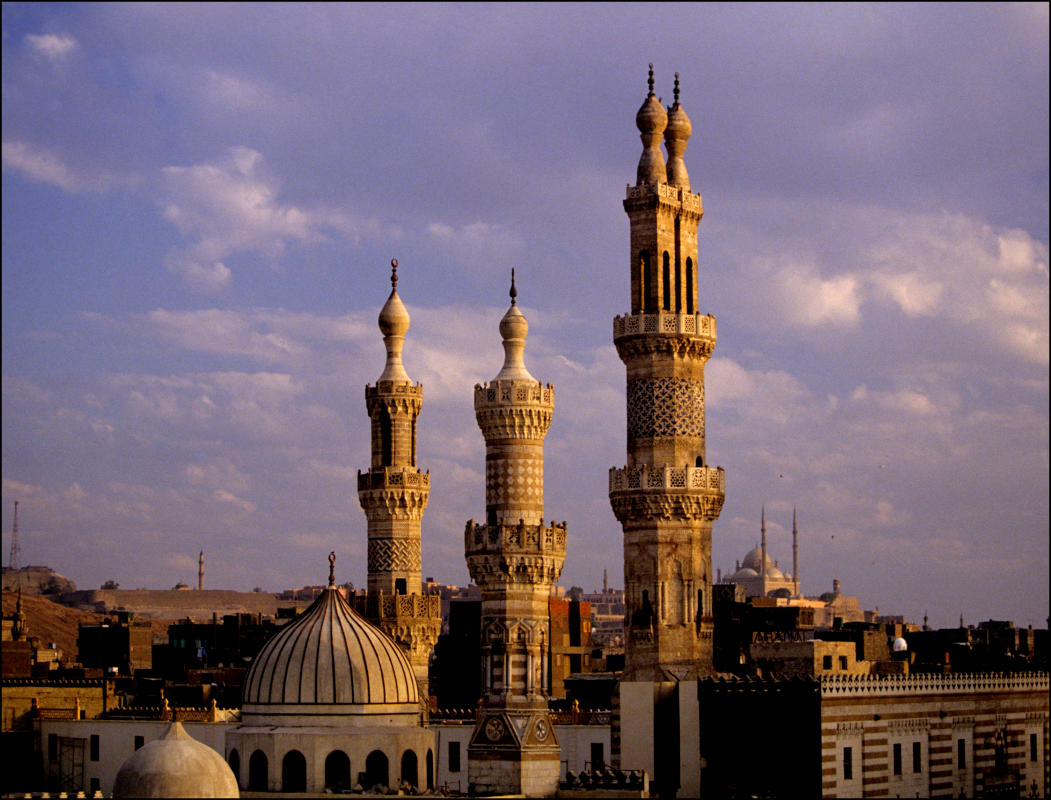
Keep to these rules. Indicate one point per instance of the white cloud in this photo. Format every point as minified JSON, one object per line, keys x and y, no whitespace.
{"x":44,"y":166}
{"x":231,"y":206}
{"x":53,"y":46}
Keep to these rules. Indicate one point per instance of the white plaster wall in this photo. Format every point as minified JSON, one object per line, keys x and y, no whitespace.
{"x":636,"y":725}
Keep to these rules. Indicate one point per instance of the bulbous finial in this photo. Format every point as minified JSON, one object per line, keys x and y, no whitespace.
{"x":676,"y":136}
{"x":651,"y":120}
{"x":514,"y":328}
{"x":332,"y":568}
{"x":394,"y":323}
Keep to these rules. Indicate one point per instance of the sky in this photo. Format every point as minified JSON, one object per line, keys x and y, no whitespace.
{"x":201,"y":202}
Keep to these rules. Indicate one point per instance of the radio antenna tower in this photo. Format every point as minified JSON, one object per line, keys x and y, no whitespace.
{"x":15,"y":560}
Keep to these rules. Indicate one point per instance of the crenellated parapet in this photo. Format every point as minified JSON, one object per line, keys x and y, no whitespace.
{"x":665,"y":198}
{"x":932,"y":683}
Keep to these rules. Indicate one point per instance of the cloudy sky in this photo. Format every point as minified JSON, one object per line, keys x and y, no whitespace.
{"x":200,"y":203}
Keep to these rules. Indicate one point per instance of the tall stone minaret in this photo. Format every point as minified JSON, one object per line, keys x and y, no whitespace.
{"x":667,"y":496}
{"x":514,"y":558}
{"x":394,"y":494}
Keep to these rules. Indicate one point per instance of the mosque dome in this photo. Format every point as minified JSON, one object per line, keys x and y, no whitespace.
{"x":745,"y":574}
{"x":329,"y":662}
{"x":176,"y":765}
{"x":899,"y":645}
{"x":754,"y":558}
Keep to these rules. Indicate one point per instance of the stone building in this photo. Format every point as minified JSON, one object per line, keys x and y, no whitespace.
{"x":515,"y":559}
{"x":394,"y":494}
{"x":330,"y":702}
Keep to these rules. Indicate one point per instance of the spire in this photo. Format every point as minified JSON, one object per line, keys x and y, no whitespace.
{"x":513,"y":329}
{"x":394,"y":323}
{"x":651,"y":120}
{"x":200,"y":571}
{"x":676,"y":135}
{"x":762,"y":558}
{"x":795,"y":553}
{"x":332,"y":568}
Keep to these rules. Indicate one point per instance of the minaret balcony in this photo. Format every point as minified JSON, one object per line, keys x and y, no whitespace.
{"x":699,"y":326}
{"x":394,"y":478}
{"x":667,"y":478}
{"x":646,"y":193}
{"x":521,"y":539}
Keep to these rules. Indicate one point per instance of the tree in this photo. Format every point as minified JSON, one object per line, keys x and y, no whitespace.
{"x":111,"y":585}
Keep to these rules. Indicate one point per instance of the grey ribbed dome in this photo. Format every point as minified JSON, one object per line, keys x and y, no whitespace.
{"x":330,"y":661}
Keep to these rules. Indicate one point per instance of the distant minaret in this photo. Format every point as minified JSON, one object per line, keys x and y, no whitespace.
{"x":667,"y":497}
{"x":795,"y":554}
{"x":15,"y":559}
{"x":200,"y":571}
{"x":605,"y":582}
{"x":514,"y":558}
{"x":393,"y":494}
{"x":762,"y":559}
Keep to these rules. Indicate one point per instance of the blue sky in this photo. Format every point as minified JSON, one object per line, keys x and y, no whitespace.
{"x":200,"y":203}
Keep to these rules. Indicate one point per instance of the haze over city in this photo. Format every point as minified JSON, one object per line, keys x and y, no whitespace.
{"x":200,"y":204}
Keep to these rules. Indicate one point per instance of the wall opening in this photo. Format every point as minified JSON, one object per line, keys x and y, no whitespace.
{"x":293,"y":772}
{"x":377,"y":770}
{"x":258,"y":772}
{"x":666,"y":275}
{"x":410,"y":769}
{"x":337,"y":771}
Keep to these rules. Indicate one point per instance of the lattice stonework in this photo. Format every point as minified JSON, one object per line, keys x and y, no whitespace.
{"x":399,"y":555}
{"x":665,"y":407}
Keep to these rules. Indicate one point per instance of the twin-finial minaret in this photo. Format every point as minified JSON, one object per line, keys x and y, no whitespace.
{"x":654,"y":122}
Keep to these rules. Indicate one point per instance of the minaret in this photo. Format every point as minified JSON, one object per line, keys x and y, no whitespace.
{"x":200,"y":571}
{"x":795,"y":554}
{"x":762,"y":558}
{"x":514,"y":558}
{"x":667,"y":496}
{"x":394,"y":494}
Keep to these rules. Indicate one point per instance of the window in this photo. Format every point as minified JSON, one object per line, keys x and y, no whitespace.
{"x":917,"y":757}
{"x":94,"y":747}
{"x":826,"y":662}
{"x":95,"y":786}
{"x":848,"y":763}
{"x":689,"y":286}
{"x":598,"y":756}
{"x":843,"y":662}
{"x":667,"y":282}
{"x":139,"y":742}
{"x":897,"y":758}
{"x":52,"y":746}
{"x":961,"y":754}
{"x":454,"y":756}
{"x":1032,"y":747}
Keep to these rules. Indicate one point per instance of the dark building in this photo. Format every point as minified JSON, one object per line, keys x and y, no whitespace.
{"x":124,"y":646}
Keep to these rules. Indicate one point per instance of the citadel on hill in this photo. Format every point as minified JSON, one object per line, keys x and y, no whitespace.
{"x":700,"y":684}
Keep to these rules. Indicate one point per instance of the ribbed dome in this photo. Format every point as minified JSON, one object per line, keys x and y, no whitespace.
{"x":176,"y":765}
{"x":330,"y":661}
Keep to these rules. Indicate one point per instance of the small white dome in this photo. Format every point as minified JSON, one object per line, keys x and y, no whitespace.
{"x":176,"y":765}
{"x":899,"y":645}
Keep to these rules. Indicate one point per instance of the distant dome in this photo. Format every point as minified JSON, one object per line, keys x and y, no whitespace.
{"x":329,"y":662}
{"x":745,"y":574}
{"x":899,"y":645}
{"x":176,"y":765}
{"x":754,"y":558}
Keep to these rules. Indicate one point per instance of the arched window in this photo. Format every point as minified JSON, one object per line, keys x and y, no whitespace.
{"x":386,"y":443}
{"x":689,"y":286}
{"x":667,"y":282}
{"x":642,"y":277}
{"x":293,"y":772}
{"x":377,"y":770}
{"x":649,"y":298}
{"x":413,"y":463}
{"x":258,"y":772}
{"x":235,"y":765}
{"x":678,"y":287}
{"x":430,"y":769}
{"x":337,"y":771}
{"x":410,"y":771}
{"x":400,"y":586}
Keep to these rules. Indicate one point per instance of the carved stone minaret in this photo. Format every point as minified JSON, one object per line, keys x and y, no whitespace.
{"x":514,"y":558}
{"x":394,"y":494}
{"x":667,"y":496}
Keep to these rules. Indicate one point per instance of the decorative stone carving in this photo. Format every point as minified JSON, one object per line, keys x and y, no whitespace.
{"x":665,"y":407}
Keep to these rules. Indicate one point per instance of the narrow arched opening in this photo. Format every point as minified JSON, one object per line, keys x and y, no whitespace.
{"x":689,"y":286}
{"x":377,"y":770}
{"x":293,"y":772}
{"x":410,"y":769}
{"x":258,"y":772}
{"x":666,"y":275}
{"x":386,"y":438}
{"x":678,"y":287}
{"x":337,"y":771}
{"x":234,"y":760}
{"x":649,"y":299}
{"x":430,"y":769}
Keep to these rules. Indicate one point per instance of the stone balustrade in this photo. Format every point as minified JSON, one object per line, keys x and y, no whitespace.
{"x":667,"y":193}
{"x":701,"y":326}
{"x":514,"y":391}
{"x":394,"y":478}
{"x":643,"y":476}
{"x":932,"y":683}
{"x":395,"y":388}
{"x":515,"y":539}
{"x":390,"y":606}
